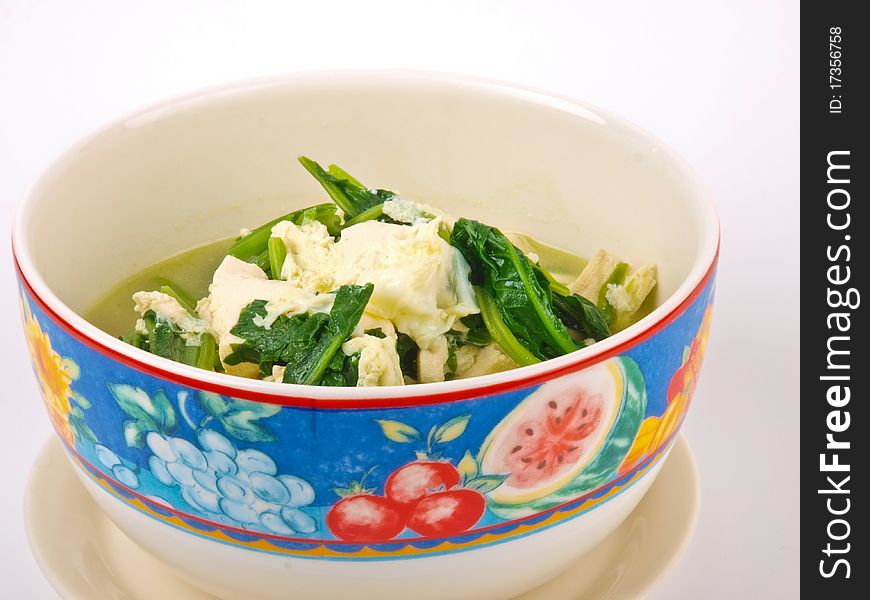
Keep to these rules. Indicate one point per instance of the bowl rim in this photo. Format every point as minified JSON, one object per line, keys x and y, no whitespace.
{"x":702,"y":271}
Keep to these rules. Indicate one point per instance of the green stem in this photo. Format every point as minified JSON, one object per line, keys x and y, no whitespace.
{"x":191,"y":355}
{"x":208,"y":352}
{"x":324,"y":178}
{"x":277,"y":255}
{"x":340,"y":173}
{"x":254,"y":242}
{"x":500,"y":332}
{"x":369,"y":214}
{"x":555,"y":285}
{"x":561,"y":338}
{"x":134,"y":338}
{"x":184,"y":299}
{"x":616,"y":278}
{"x":444,"y":232}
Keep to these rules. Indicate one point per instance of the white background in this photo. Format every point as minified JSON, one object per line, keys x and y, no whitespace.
{"x":717,"y":80}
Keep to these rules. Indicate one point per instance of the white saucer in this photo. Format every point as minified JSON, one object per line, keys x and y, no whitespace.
{"x":85,"y":557}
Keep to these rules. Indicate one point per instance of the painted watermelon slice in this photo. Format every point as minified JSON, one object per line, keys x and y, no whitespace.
{"x":566,"y":439}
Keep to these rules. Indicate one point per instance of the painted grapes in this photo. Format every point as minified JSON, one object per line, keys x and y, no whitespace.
{"x":216,"y":477}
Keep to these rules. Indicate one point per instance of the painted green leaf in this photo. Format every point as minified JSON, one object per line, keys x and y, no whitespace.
{"x":452,"y":429}
{"x":134,"y":433}
{"x":212,"y":404}
{"x":486,"y":483}
{"x":467,"y":467}
{"x":148,"y":413}
{"x":398,"y":432}
{"x":243,"y":425}
{"x":71,"y":368}
{"x":165,"y":416}
{"x":260,"y":409}
{"x":81,"y":400}
{"x":240,"y":418}
{"x":81,"y":429}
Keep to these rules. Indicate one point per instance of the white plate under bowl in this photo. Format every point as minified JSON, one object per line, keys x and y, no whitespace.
{"x":85,"y":557}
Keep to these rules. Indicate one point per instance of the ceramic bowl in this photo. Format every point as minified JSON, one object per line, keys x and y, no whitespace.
{"x":480,"y":488}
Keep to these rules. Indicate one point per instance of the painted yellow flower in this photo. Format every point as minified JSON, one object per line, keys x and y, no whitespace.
{"x":656,"y":430}
{"x":54,"y":380}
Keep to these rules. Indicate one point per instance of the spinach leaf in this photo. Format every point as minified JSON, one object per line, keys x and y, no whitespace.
{"x":409,"y":353}
{"x":520,"y":291}
{"x":350,"y":302}
{"x":556,"y":286}
{"x":370,"y":214}
{"x":286,"y":338}
{"x":134,"y":338}
{"x":181,"y":296}
{"x":162,"y":340}
{"x":277,"y":254}
{"x":343,"y":371}
{"x":166,"y":340}
{"x":253,"y":246}
{"x":306,"y":344}
{"x":349,"y":194}
{"x":477,"y":334}
{"x":452,"y":363}
{"x":502,"y":335}
{"x":616,"y":278}
{"x":579,"y":313}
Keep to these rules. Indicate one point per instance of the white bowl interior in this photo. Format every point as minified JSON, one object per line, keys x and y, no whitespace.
{"x":199,"y":169}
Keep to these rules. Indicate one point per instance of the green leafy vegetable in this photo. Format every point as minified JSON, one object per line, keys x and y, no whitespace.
{"x":520,"y":292}
{"x":287,"y":338}
{"x":340,"y":173}
{"x":134,"y":338}
{"x":350,"y":302}
{"x":616,"y":278}
{"x":343,"y":371}
{"x":252,"y":246}
{"x":452,"y":363}
{"x":409,"y":353}
{"x":349,"y":194}
{"x":376,"y":332}
{"x":208,"y":353}
{"x":477,"y":334}
{"x":500,"y":332}
{"x":306,"y":344}
{"x":167,"y":340}
{"x":556,"y":286}
{"x":181,"y":296}
{"x":163,"y":339}
{"x":277,"y":253}
{"x":262,"y":261}
{"x":579,"y":313}
{"x":375,"y":212}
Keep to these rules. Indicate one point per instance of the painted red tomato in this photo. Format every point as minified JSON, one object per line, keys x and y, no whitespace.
{"x":447,"y":513}
{"x":366,"y":518}
{"x":411,"y":482}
